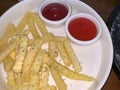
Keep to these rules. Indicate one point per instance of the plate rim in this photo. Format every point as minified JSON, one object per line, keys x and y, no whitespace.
{"x":110,"y":65}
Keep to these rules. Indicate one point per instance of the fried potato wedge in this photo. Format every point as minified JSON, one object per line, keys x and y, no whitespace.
{"x":11,"y":82}
{"x":72,"y":56}
{"x":29,"y":59}
{"x":63,"y":54}
{"x":58,"y":78}
{"x":40,"y":24}
{"x":21,"y":54}
{"x":23,"y":22}
{"x":6,"y":51}
{"x":8,"y":64}
{"x":32,"y":27}
{"x":9,"y":31}
{"x":34,"y":81}
{"x":53,"y":51}
{"x":70,"y":73}
{"x":44,"y":77}
{"x":37,"y":64}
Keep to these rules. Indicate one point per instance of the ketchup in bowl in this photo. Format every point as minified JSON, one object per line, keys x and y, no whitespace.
{"x":54,"y":11}
{"x":82,"y":29}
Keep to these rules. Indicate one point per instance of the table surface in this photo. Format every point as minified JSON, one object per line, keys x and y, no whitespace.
{"x":104,"y":9}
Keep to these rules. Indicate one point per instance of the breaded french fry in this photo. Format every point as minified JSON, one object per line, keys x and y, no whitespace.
{"x":60,"y":38}
{"x":13,"y":54}
{"x":30,"y":42}
{"x":15,"y":87}
{"x":6,"y":51}
{"x":2,"y":44}
{"x":63,"y":54}
{"x":8,"y":64}
{"x":24,"y":87}
{"x":21,"y":34}
{"x":34,"y":81}
{"x":47,"y":37}
{"x":38,"y":61}
{"x":72,"y":56}
{"x":40,"y":24}
{"x":11,"y":79}
{"x":69,"y":73}
{"x":53,"y":51}
{"x":51,"y":88}
{"x":23,"y":22}
{"x":19,"y":78}
{"x":29,"y":59}
{"x":21,"y":54}
{"x":20,"y":87}
{"x":46,"y":59}
{"x":32,"y":27}
{"x":9,"y":31}
{"x":44,"y":76}
{"x":57,"y":78}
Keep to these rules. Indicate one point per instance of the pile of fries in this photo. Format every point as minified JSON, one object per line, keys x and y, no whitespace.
{"x":29,"y":63}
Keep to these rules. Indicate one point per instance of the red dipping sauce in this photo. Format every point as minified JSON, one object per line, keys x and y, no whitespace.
{"x":82,"y":29}
{"x":54,"y":11}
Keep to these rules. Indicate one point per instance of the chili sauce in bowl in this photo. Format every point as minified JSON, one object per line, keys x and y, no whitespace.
{"x":83,"y":29}
{"x":54,"y":12}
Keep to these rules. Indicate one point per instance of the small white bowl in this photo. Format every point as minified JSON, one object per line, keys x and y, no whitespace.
{"x":89,"y":17}
{"x":53,"y":23}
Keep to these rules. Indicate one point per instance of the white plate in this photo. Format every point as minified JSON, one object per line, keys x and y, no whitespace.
{"x":96,"y":59}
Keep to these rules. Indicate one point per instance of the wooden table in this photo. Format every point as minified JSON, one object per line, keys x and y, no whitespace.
{"x":104,"y":8}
